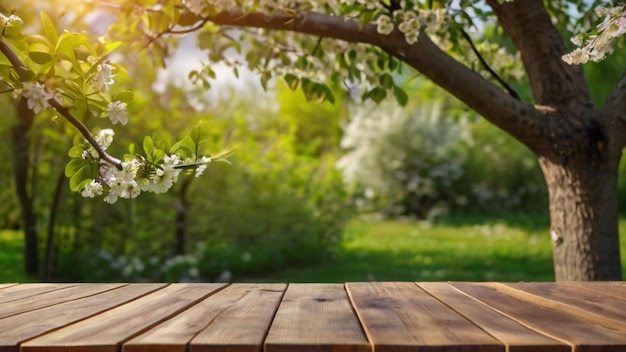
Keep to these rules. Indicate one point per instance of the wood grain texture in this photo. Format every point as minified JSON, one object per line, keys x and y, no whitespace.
{"x":585,"y":332}
{"x":16,"y":292}
{"x":244,"y":323}
{"x":316,"y":317}
{"x":614,"y":289}
{"x":237,"y":315}
{"x":512,"y":334}
{"x":592,"y":302}
{"x":106,"y":331}
{"x":65,"y":294}
{"x":402,"y":317}
{"x":21,"y":327}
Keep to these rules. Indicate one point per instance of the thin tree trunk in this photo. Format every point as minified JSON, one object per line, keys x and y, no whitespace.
{"x":22,"y":173}
{"x":182,"y":208}
{"x":54,"y":207}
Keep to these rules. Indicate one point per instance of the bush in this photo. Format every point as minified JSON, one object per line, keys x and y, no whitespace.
{"x":405,"y":160}
{"x":278,"y":205}
{"x":432,"y":158}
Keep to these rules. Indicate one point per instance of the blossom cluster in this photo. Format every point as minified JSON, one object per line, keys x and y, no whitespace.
{"x":135,"y":175}
{"x":596,"y":46}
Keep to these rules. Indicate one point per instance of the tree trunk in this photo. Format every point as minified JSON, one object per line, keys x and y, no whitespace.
{"x":584,"y":217}
{"x":21,"y":140}
{"x":182,"y":208}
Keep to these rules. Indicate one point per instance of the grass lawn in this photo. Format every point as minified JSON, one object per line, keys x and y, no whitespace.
{"x":11,"y":247}
{"x":457,"y":249}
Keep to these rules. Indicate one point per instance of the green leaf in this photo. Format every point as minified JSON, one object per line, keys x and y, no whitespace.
{"x":185,"y":148}
{"x":292,"y":81}
{"x":400,"y":95}
{"x":265,"y":77}
{"x":123,"y":96}
{"x":386,"y":81}
{"x":49,"y":29}
{"x":40,"y":53}
{"x":377,"y":94}
{"x":148,"y":145}
{"x":76,"y":152}
{"x":393,"y":64}
{"x":82,"y":174}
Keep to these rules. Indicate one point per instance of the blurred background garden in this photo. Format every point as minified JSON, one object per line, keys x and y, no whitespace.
{"x":315,"y":191}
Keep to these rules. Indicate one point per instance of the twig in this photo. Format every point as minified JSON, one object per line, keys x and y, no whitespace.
{"x":65,"y":112}
{"x":506,"y":86}
{"x":19,"y":67}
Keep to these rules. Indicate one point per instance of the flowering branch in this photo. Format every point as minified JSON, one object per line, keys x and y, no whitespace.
{"x":85,"y":132}
{"x":23,"y":73}
{"x":19,"y":67}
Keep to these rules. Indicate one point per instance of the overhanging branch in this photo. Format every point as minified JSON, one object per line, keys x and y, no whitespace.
{"x":515,"y":117}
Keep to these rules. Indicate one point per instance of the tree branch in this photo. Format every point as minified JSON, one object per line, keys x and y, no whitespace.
{"x":23,"y":73}
{"x":515,"y":117}
{"x":85,"y":132}
{"x":553,"y":82}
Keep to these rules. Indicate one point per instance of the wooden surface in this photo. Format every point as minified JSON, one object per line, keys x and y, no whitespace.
{"x":360,"y":316}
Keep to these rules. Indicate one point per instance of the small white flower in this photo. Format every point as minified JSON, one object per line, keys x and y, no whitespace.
{"x":384,"y":25}
{"x":200,"y":168}
{"x":37,"y":96}
{"x":111,"y":198}
{"x":105,"y":137}
{"x":117,"y":112}
{"x":92,"y":189}
{"x":576,"y":57}
{"x":196,"y":6}
{"x":103,"y":77}
{"x":16,"y":93}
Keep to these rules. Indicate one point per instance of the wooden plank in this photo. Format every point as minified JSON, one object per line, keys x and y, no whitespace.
{"x":243,"y":326}
{"x":585,"y":332}
{"x":239,"y":317}
{"x":45,"y":299}
{"x":614,"y":289}
{"x":106,"y":331}
{"x":593,"y":302}
{"x":403,"y":317}
{"x":316,"y":317}
{"x":516,"y":337}
{"x":5,"y":285}
{"x":27,"y":290}
{"x":18,"y":328}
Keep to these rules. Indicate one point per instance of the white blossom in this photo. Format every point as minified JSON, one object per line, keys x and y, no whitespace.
{"x":92,"y":189}
{"x":117,"y":112}
{"x":37,"y":96}
{"x":203,"y":165}
{"x":196,"y":6}
{"x":103,"y":77}
{"x":384,"y":25}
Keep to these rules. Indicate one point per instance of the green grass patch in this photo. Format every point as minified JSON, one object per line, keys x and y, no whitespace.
{"x":456,"y":249}
{"x":11,"y":252}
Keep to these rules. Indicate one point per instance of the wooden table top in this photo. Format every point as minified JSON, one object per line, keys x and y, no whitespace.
{"x":360,"y":316}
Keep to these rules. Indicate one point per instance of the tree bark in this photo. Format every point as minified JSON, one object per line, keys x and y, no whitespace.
{"x":584,"y":217}
{"x":21,"y":140}
{"x":182,"y":210}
